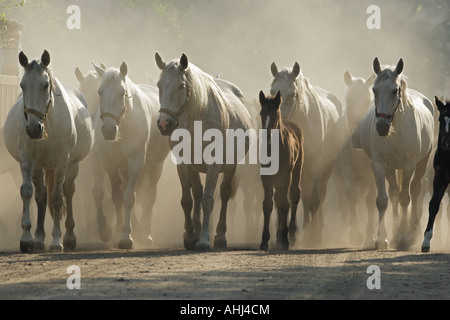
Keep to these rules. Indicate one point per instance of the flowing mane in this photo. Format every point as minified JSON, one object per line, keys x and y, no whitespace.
{"x":202,"y":90}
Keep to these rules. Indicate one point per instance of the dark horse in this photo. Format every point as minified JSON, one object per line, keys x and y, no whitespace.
{"x":441,"y":166}
{"x":287,"y":180}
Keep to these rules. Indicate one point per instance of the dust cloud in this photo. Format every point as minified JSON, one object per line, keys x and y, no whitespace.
{"x":238,"y":40}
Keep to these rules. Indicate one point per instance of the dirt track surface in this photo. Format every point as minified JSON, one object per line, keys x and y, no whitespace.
{"x":238,"y":273}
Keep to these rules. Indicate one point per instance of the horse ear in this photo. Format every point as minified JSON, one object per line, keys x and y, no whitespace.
{"x":45,"y":58}
{"x":184,"y":63}
{"x":102,"y":65}
{"x":369,"y":82}
{"x":124,"y":69}
{"x":23,"y":59}
{"x":99,"y":70}
{"x":399,"y":68}
{"x":376,"y":66}
{"x":278,"y":99}
{"x":262,"y":97}
{"x":439,"y":104}
{"x":295,"y":71}
{"x":159,"y":61}
{"x":79,"y":75}
{"x":274,"y":69}
{"x":348,"y":78}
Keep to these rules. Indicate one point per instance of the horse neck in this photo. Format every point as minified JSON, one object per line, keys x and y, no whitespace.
{"x":204,"y":100}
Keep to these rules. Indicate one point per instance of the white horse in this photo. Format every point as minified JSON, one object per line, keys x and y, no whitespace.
{"x":130,"y":148}
{"x":317,"y":112}
{"x":353,"y":173}
{"x":48,"y":131}
{"x":88,"y":86}
{"x":187,"y":94}
{"x":397,"y":134}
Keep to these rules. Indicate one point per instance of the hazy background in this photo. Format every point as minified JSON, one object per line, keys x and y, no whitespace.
{"x":238,"y":39}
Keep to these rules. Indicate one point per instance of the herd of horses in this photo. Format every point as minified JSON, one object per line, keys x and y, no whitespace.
{"x":122,"y":130}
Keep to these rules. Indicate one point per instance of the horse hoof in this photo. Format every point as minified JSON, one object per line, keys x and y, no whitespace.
{"x":425,"y":249}
{"x":39,"y":246}
{"x":282,"y":246}
{"x":381,"y":245}
{"x":56,"y":248}
{"x":105,"y":233}
{"x":190,"y":240}
{"x":27,"y":246}
{"x":220,"y":243}
{"x":70,"y":245}
{"x":126,"y":244}
{"x":202,"y":246}
{"x":264,"y":246}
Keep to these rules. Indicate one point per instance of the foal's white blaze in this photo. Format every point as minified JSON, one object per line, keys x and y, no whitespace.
{"x":267,"y":122}
{"x":447,"y":124}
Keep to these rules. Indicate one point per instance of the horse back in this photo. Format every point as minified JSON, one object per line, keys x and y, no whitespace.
{"x":82,"y":122}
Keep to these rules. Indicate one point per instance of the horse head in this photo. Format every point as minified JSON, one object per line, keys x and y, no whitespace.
{"x":36,"y":84}
{"x":88,"y":86}
{"x":358,"y":98}
{"x":388,"y":95}
{"x":285,"y":82}
{"x":444,"y":124}
{"x":270,"y":111}
{"x":114,"y":99}
{"x":173,"y":92}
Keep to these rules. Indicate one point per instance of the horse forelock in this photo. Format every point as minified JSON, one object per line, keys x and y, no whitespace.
{"x":387,"y":74}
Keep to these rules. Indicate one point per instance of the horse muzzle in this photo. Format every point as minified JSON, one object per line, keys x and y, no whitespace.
{"x":166,"y":125}
{"x":109,"y":132}
{"x":35,"y":131}
{"x":383,"y":127}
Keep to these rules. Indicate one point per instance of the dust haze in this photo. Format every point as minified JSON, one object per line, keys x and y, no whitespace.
{"x":238,"y":40}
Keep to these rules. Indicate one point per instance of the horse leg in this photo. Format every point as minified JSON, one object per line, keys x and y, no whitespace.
{"x":104,"y":228}
{"x":282,"y":204}
{"x":417,"y":197}
{"x":382,"y":203}
{"x":394,"y":192}
{"x":149,"y":195}
{"x":197,"y":192}
{"x":226,"y":189}
{"x":56,"y":202}
{"x":70,"y":240}
{"x":190,"y":238}
{"x":212,"y":176}
{"x":370,"y":205}
{"x":295,"y":195}
{"x":135,"y":166}
{"x":405,"y":199}
{"x":440,"y":184}
{"x":267,"y":182}
{"x":41,"y":202}
{"x":26,"y":193}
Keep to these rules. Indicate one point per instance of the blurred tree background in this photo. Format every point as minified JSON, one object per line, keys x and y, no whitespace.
{"x":240,"y":38}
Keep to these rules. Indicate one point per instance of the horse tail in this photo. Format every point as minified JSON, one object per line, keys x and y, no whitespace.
{"x":399,"y":176}
{"x":50,"y":184}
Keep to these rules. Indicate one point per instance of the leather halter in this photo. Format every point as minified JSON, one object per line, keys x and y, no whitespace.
{"x":177,"y":115}
{"x":389,"y":116}
{"x":40,"y":115}
{"x":118,"y":118}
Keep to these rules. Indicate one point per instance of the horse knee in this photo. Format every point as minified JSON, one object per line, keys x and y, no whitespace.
{"x":187,"y":204}
{"x":405,"y":198}
{"x":129,"y":198}
{"x":207,"y":203}
{"x":26,"y":191}
{"x":382,"y":202}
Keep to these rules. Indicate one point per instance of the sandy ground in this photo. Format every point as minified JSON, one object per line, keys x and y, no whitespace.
{"x":238,"y":273}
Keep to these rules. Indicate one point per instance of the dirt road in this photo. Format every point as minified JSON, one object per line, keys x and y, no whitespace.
{"x":238,"y":273}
